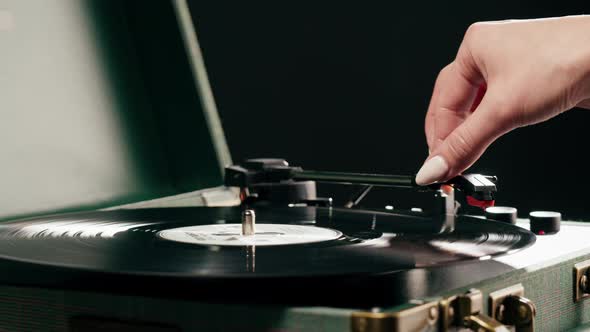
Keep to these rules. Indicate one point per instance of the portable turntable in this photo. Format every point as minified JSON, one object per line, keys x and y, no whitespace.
{"x":124,"y":212}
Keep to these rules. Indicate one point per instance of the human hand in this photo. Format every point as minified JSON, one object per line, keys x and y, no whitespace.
{"x":506,"y":74}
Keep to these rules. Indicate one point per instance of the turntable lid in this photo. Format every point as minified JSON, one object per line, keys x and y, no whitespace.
{"x":100,"y":106}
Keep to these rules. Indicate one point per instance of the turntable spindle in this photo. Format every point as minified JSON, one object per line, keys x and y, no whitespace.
{"x":248,"y":222}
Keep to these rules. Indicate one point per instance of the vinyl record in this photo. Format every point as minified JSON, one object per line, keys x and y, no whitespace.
{"x":162,"y":249}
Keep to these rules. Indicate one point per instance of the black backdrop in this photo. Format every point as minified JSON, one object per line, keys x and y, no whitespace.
{"x":346,"y":86}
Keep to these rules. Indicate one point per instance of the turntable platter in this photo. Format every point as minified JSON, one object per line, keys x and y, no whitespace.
{"x":203,"y":243}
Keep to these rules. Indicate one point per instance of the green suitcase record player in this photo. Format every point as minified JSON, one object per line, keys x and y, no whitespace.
{"x":122,"y":211}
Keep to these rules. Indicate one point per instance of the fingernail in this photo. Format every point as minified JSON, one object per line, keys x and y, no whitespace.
{"x":434,"y":169}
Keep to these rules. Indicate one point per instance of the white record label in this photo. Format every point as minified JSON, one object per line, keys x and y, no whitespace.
{"x":266,"y":235}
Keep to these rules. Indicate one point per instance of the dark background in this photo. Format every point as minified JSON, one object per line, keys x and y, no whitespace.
{"x":346,"y":86}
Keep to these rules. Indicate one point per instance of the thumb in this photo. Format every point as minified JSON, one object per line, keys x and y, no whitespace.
{"x":466,"y":143}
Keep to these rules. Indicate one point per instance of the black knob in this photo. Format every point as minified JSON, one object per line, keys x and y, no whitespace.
{"x":545,"y":222}
{"x":502,"y":213}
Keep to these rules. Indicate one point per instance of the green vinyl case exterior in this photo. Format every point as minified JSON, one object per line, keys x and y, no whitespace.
{"x":34,"y":309}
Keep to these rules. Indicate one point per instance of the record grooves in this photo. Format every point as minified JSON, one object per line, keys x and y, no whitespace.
{"x":125,"y":251}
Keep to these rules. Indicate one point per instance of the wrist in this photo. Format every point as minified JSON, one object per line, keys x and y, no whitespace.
{"x":586,"y":75}
{"x":584,"y":57}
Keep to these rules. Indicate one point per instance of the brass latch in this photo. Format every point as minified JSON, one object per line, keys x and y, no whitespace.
{"x":466,"y":311}
{"x":581,"y":280}
{"x":482,"y":323}
{"x":519,"y":312}
{"x":507,"y":307}
{"x":510,"y":307}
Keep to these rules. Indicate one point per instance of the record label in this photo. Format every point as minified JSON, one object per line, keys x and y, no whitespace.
{"x":266,"y":235}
